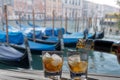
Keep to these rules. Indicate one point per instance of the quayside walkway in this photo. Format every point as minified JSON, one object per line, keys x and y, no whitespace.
{"x":38,"y":75}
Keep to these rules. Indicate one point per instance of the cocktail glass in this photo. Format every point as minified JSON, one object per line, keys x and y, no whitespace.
{"x":52,"y":64}
{"x":78,"y":64}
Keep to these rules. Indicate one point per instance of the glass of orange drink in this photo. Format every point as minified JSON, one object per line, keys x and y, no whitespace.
{"x":78,"y":64}
{"x":52,"y":64}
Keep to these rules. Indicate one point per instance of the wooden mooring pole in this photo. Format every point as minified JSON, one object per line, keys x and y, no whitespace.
{"x":33,"y":25}
{"x":66,"y":19}
{"x":53,"y":13}
{"x":6,"y":19}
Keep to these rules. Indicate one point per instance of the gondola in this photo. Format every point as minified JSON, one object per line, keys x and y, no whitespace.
{"x":28,"y":31}
{"x":16,"y":40}
{"x":30,"y":24}
{"x":12,"y":57}
{"x":14,"y":37}
{"x":69,"y":40}
{"x":100,"y":35}
{"x":44,"y":33}
{"x":9,"y":55}
{"x":49,"y":31}
{"x":37,"y":48}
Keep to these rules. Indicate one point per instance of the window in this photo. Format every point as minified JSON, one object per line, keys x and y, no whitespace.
{"x":65,"y":1}
{"x":73,"y":2}
{"x":76,"y":3}
{"x":70,"y":1}
{"x":79,"y":2}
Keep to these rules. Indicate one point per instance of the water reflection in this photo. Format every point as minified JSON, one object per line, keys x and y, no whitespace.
{"x":100,"y":63}
{"x":104,"y":63}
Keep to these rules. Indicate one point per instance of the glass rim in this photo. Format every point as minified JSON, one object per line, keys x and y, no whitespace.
{"x":53,"y":52}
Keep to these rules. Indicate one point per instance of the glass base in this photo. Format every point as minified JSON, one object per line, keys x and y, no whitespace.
{"x":54,"y":76}
{"x":91,"y":78}
{"x":78,"y":76}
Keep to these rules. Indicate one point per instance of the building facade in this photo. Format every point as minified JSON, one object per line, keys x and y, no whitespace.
{"x":20,"y":7}
{"x":73,"y":8}
{"x":39,"y":8}
{"x":96,"y":12}
{"x":10,"y":4}
{"x":55,"y":5}
{"x":91,"y":9}
{"x":24,"y":8}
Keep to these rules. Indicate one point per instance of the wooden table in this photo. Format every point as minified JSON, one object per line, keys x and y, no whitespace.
{"x":38,"y":75}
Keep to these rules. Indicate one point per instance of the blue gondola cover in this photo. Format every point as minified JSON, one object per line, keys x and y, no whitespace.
{"x":38,"y":34}
{"x":69,"y":38}
{"x":14,"y":37}
{"x":39,"y":46}
{"x":48,"y":31}
{"x":57,"y":30}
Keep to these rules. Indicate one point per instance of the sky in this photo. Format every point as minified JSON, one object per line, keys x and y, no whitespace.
{"x":108,"y":2}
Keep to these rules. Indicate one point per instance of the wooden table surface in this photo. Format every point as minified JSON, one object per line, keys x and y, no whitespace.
{"x":38,"y":75}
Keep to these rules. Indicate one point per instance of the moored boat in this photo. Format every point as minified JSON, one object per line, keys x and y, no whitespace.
{"x":16,"y":40}
{"x":10,"y":56}
{"x":69,"y":40}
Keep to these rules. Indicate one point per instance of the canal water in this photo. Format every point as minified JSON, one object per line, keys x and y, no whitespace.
{"x":99,"y":63}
